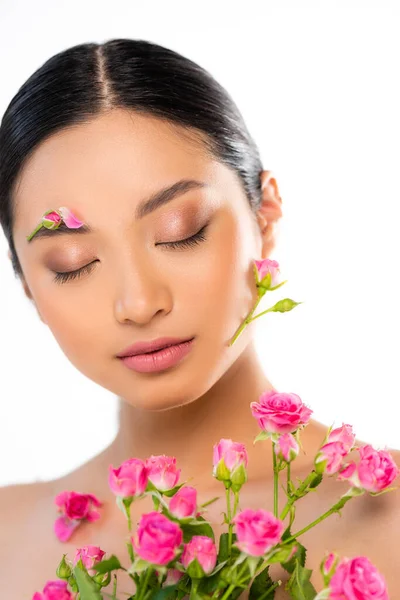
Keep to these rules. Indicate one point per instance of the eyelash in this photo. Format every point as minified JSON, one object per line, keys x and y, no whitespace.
{"x":195,"y":239}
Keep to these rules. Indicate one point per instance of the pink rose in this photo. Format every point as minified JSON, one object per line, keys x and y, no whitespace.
{"x":330,"y":457}
{"x":89,"y":555}
{"x":230,"y":462}
{"x":203,"y":549}
{"x":357,"y":579}
{"x":265,"y":267}
{"x":183,"y":504}
{"x":74,"y":508}
{"x":157,"y":538}
{"x":130,"y":479}
{"x":280,"y":412}
{"x":286,"y":447}
{"x":52,"y":220}
{"x":343,"y":434}
{"x":375,"y":471}
{"x":163,"y":472}
{"x":54,"y":590}
{"x":257,"y":531}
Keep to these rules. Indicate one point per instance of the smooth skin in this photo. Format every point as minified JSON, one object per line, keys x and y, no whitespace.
{"x":144,"y":289}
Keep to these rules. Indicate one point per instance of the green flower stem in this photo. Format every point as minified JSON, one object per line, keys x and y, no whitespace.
{"x":143,"y":587}
{"x":114,"y":592}
{"x":298,"y":493}
{"x":193,"y":589}
{"x":245,"y":322}
{"x":130,"y":550}
{"x":34,"y":231}
{"x":288,"y":478}
{"x":234,"y":585}
{"x":236,"y":503}
{"x":335,"y":508}
{"x":276,"y":481}
{"x":261,"y":313}
{"x":229,"y":515}
{"x":128,"y":514}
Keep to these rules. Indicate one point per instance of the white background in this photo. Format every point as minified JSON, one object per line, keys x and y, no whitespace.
{"x":318,"y":85}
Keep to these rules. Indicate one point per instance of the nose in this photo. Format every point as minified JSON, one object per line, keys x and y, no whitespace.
{"x":142,"y":294}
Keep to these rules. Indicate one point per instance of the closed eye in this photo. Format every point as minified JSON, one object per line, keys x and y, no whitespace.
{"x":197,"y":238}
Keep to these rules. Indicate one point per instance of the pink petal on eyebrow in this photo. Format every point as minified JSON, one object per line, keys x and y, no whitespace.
{"x":69,"y":218}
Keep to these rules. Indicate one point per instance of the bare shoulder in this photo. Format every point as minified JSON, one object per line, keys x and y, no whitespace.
{"x":16,"y":499}
{"x":18,"y":503}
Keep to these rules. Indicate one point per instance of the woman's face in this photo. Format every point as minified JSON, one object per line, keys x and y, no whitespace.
{"x":137,"y":287}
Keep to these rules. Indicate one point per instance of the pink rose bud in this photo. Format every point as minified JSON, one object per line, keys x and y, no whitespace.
{"x":54,"y":590}
{"x":89,"y":555}
{"x":184,"y":503}
{"x":357,"y":578}
{"x":157,"y":539}
{"x":52,"y":219}
{"x":230,"y":462}
{"x":203,"y":549}
{"x":343,"y":434}
{"x":328,"y":566}
{"x":267,"y":273}
{"x":173,"y":576}
{"x":330,"y":458}
{"x":257,"y":531}
{"x":280,"y":412}
{"x":69,"y":218}
{"x":375,"y":471}
{"x":74,"y":508}
{"x":130,"y":479}
{"x":286,"y":448}
{"x":163,"y":472}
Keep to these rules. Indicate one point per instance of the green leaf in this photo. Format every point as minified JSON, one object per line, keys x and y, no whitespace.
{"x":260,"y":584}
{"x":316,"y":481}
{"x":263,"y":435}
{"x":88,"y":589}
{"x":223,"y":548}
{"x":172,"y":491}
{"x":298,"y":558}
{"x":107,"y":565}
{"x":198,"y":528}
{"x":167,"y":593}
{"x":299,"y":584}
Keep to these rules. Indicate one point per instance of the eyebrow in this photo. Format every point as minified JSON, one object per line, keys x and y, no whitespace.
{"x":145,"y":207}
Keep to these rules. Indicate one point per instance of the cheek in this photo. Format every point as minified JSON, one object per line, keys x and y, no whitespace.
{"x":219,"y":291}
{"x":77,"y":325}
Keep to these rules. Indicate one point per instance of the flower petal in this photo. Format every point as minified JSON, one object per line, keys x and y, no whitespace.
{"x":93,"y":515}
{"x":69,"y":218}
{"x":64,"y":528}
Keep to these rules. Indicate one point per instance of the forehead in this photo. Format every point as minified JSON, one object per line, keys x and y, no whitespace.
{"x":116,"y":154}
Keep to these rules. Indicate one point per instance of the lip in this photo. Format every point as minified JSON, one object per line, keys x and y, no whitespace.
{"x":159,"y":360}
{"x":151,"y":346}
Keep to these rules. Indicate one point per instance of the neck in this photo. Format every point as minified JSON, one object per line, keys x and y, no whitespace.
{"x":189,"y":432}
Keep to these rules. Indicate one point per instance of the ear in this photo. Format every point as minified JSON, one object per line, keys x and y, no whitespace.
{"x":269,"y":212}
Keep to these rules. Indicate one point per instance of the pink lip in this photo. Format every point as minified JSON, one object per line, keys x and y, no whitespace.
{"x":151,"y":346}
{"x":158,"y":360}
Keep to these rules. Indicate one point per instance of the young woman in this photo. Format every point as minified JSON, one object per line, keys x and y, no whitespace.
{"x":151,"y":153}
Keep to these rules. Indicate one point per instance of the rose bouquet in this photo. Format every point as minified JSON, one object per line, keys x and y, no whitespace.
{"x":173,"y":552}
